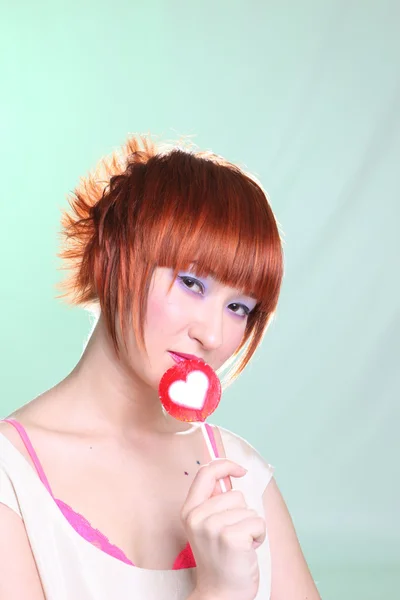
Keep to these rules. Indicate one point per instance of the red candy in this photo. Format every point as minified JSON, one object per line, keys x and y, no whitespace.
{"x":190,"y":390}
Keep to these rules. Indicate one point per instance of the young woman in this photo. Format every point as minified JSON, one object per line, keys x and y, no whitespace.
{"x":102,"y":493}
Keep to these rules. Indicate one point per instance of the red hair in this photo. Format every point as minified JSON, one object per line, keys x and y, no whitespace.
{"x":151,"y":205}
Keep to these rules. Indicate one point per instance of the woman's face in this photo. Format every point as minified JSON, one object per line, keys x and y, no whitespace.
{"x":198,"y":316}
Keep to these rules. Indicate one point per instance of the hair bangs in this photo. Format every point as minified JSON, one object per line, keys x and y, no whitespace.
{"x":218,"y":221}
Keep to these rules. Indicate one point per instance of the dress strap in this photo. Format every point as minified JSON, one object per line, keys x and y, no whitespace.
{"x":24,"y":436}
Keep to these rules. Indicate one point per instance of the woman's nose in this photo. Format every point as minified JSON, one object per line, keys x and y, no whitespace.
{"x":207,"y":328}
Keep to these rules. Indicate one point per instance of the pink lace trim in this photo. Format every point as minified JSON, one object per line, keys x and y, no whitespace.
{"x":92,"y":535}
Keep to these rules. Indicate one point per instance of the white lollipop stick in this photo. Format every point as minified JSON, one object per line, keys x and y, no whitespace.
{"x":191,"y":393}
{"x":211,"y":451}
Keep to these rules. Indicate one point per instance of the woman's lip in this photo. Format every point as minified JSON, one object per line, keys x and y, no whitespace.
{"x":179,"y":357}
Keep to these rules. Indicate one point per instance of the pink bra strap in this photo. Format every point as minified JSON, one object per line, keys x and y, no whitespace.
{"x":212,"y":438}
{"x":32,"y":453}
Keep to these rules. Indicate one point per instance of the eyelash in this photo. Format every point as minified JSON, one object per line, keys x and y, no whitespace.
{"x":182,"y":278}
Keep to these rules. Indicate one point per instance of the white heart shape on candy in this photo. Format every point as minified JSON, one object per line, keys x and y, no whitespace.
{"x":192,"y":392}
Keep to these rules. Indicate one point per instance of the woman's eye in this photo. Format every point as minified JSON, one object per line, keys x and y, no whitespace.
{"x":245,"y":309}
{"x":190,"y":283}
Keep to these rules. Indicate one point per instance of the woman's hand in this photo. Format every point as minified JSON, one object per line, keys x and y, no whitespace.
{"x":223,"y":533}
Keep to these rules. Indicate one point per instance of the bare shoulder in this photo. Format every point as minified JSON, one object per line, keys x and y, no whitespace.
{"x":9,"y":430}
{"x":13,"y":436}
{"x":25,"y":416}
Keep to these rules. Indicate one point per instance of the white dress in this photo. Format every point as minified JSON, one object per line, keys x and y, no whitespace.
{"x":72,"y":568}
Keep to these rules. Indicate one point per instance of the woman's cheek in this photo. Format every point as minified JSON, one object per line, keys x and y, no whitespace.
{"x":162,"y":313}
{"x":235,"y":339}
{"x":155,"y":311}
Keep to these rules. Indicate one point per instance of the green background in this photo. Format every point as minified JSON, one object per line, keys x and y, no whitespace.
{"x":306,"y":95}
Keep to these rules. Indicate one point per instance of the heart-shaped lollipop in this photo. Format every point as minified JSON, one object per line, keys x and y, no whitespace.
{"x":190,"y":390}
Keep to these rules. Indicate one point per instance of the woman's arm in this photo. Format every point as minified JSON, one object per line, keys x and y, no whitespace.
{"x":291,"y":577}
{"x":19,"y":577}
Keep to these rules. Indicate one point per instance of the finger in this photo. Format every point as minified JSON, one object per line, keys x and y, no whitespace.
{"x":219,"y":486}
{"x":223,"y":502}
{"x":217,"y":505}
{"x":205,"y":481}
{"x":251,"y":531}
{"x":217,"y":522}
